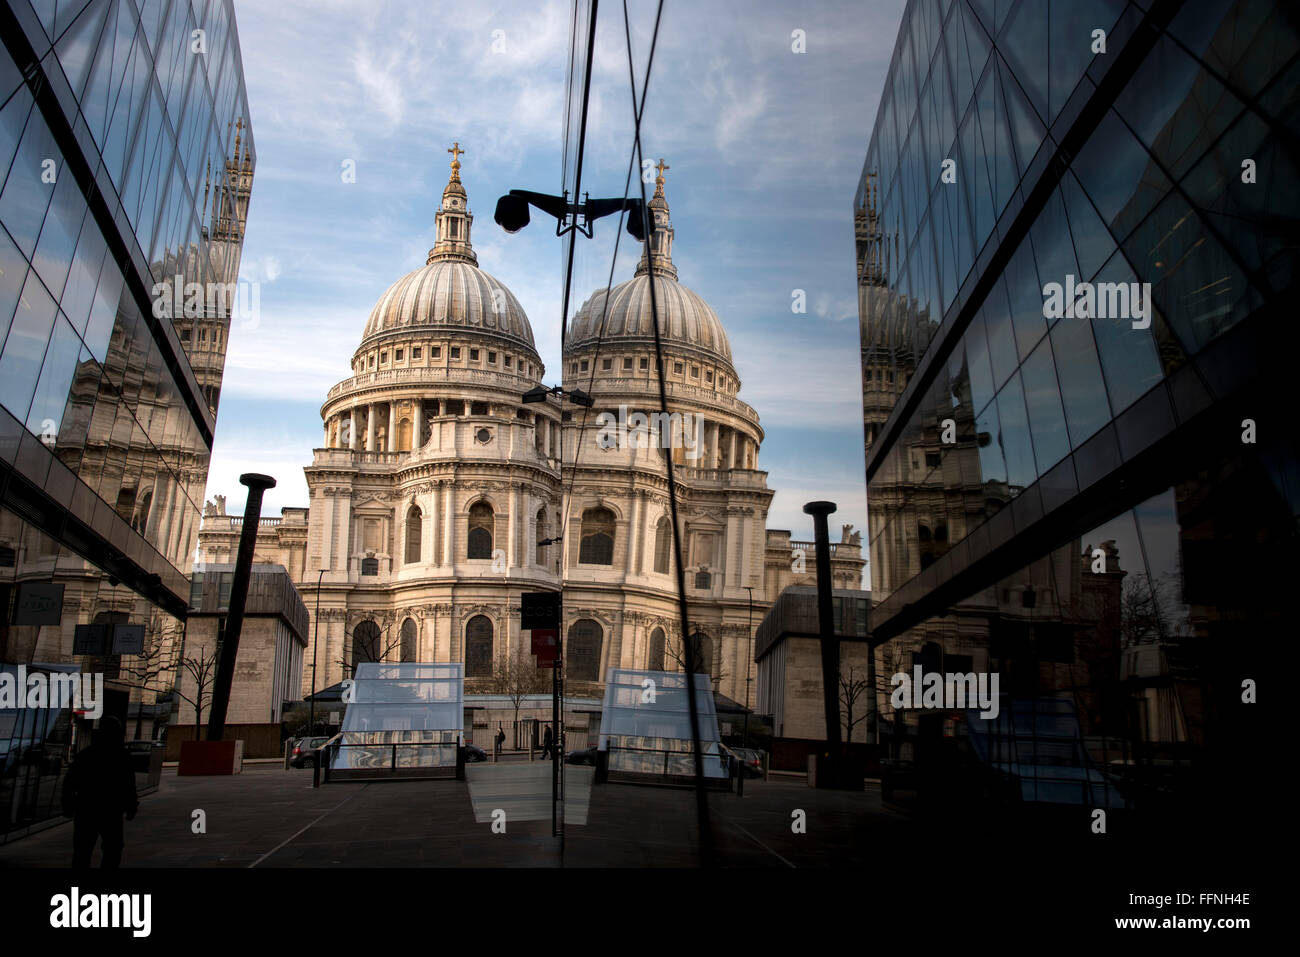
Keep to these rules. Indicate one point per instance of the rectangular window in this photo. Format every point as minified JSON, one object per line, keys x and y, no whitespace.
{"x":606,"y":365}
{"x":677,"y":368}
{"x":492,"y":358}
{"x":415,"y":352}
{"x":453,"y":228}
{"x":708,"y":376}
{"x":435,"y":352}
{"x":473,"y":355}
{"x":583,"y":365}
{"x":397,"y":355}
{"x":627,"y":363}
{"x":372,"y":362}
{"x":455,"y":352}
{"x":645,"y":363}
{"x":507,"y":360}
{"x":695,"y":372}
{"x":383,"y":357}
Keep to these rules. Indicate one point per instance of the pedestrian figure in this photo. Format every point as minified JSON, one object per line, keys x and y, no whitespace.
{"x":501,"y":737}
{"x":98,"y":790}
{"x":548,"y":743}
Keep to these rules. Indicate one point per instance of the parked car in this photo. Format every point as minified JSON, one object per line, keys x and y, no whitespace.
{"x":304,"y":753}
{"x":584,"y":756}
{"x":474,"y":754}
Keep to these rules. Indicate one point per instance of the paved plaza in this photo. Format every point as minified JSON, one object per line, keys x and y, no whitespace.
{"x":269,"y":817}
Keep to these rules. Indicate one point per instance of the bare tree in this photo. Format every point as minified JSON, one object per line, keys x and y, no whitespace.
{"x":852,"y":687}
{"x":144,"y":670}
{"x":368,"y":646}
{"x":201,"y":668}
{"x":675,"y":651}
{"x":517,"y":676}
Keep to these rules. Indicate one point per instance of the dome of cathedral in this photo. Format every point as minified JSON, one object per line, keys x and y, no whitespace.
{"x":451,"y":294}
{"x":684,"y":318}
{"x":625,"y":315}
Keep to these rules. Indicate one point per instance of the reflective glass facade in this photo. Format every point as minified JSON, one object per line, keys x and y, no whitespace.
{"x":126,"y":160}
{"x":1068,"y":500}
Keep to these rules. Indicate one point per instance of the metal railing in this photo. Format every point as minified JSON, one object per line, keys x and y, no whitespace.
{"x":325,"y":765}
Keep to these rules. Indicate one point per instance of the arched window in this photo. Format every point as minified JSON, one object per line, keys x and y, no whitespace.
{"x":404,"y":435}
{"x":703,"y":653}
{"x":656,"y":657}
{"x":597,"y":547}
{"x":582,"y":653}
{"x":141,"y":520}
{"x":366,"y":644}
{"x":414,"y":525}
{"x":663,"y":545}
{"x":923,"y":532}
{"x":480,"y":531}
{"x":478,"y":647}
{"x":410,"y":646}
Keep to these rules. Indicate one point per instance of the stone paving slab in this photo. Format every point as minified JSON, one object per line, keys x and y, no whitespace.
{"x":523,"y":791}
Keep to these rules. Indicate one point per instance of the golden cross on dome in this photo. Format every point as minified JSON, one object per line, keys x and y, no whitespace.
{"x":661,"y":167}
{"x":455,"y":152}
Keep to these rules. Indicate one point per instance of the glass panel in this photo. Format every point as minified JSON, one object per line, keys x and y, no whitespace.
{"x":26,"y":196}
{"x":1128,"y":355}
{"x":1043,"y":398}
{"x":1119,"y":176}
{"x":1022,"y":281}
{"x":1093,"y":243}
{"x":977,"y":363}
{"x":1072,"y":23}
{"x":1079,"y":374}
{"x":1016,"y":446}
{"x":1002,"y":343}
{"x":1024,"y":43}
{"x":46,"y":416}
{"x":24,"y":348}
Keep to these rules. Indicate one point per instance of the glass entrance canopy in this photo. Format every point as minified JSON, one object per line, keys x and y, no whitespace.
{"x":645,"y":724}
{"x":407,"y":715}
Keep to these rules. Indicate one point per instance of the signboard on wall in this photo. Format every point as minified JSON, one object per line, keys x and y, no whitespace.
{"x":39,"y":603}
{"x":128,"y":639}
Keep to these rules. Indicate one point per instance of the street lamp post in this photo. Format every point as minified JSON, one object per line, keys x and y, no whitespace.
{"x":540,"y":394}
{"x":748,"y":660}
{"x":315,"y":647}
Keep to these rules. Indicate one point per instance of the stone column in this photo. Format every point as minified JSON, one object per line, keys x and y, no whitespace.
{"x":634,"y":536}
{"x":512,"y":558}
{"x":428,"y":533}
{"x":370,"y":428}
{"x":417,"y":427}
{"x":731,"y":452}
{"x":392,"y":427}
{"x":327,"y":434}
{"x":448,"y":529}
{"x":352,"y":428}
{"x":327,"y":530}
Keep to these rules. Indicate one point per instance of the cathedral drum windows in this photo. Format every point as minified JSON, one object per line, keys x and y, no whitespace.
{"x":478,"y":647}
{"x":479,"y":539}
{"x":597,"y":544}
{"x":582,"y":652}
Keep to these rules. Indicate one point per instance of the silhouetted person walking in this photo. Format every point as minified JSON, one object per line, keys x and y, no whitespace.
{"x":548,"y":743}
{"x":98,"y":790}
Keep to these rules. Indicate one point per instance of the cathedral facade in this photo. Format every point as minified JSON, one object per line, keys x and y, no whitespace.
{"x":439,"y":496}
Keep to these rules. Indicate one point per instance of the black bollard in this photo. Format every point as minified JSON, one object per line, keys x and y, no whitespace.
{"x":257,"y":484}
{"x":826,"y":625}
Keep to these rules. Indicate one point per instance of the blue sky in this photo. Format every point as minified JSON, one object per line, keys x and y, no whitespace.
{"x":765,"y":148}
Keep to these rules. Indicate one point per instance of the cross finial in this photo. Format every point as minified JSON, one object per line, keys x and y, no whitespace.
{"x":661,"y":167}
{"x":455,"y":152}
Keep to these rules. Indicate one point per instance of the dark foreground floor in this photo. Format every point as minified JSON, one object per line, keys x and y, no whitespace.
{"x":268,"y":817}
